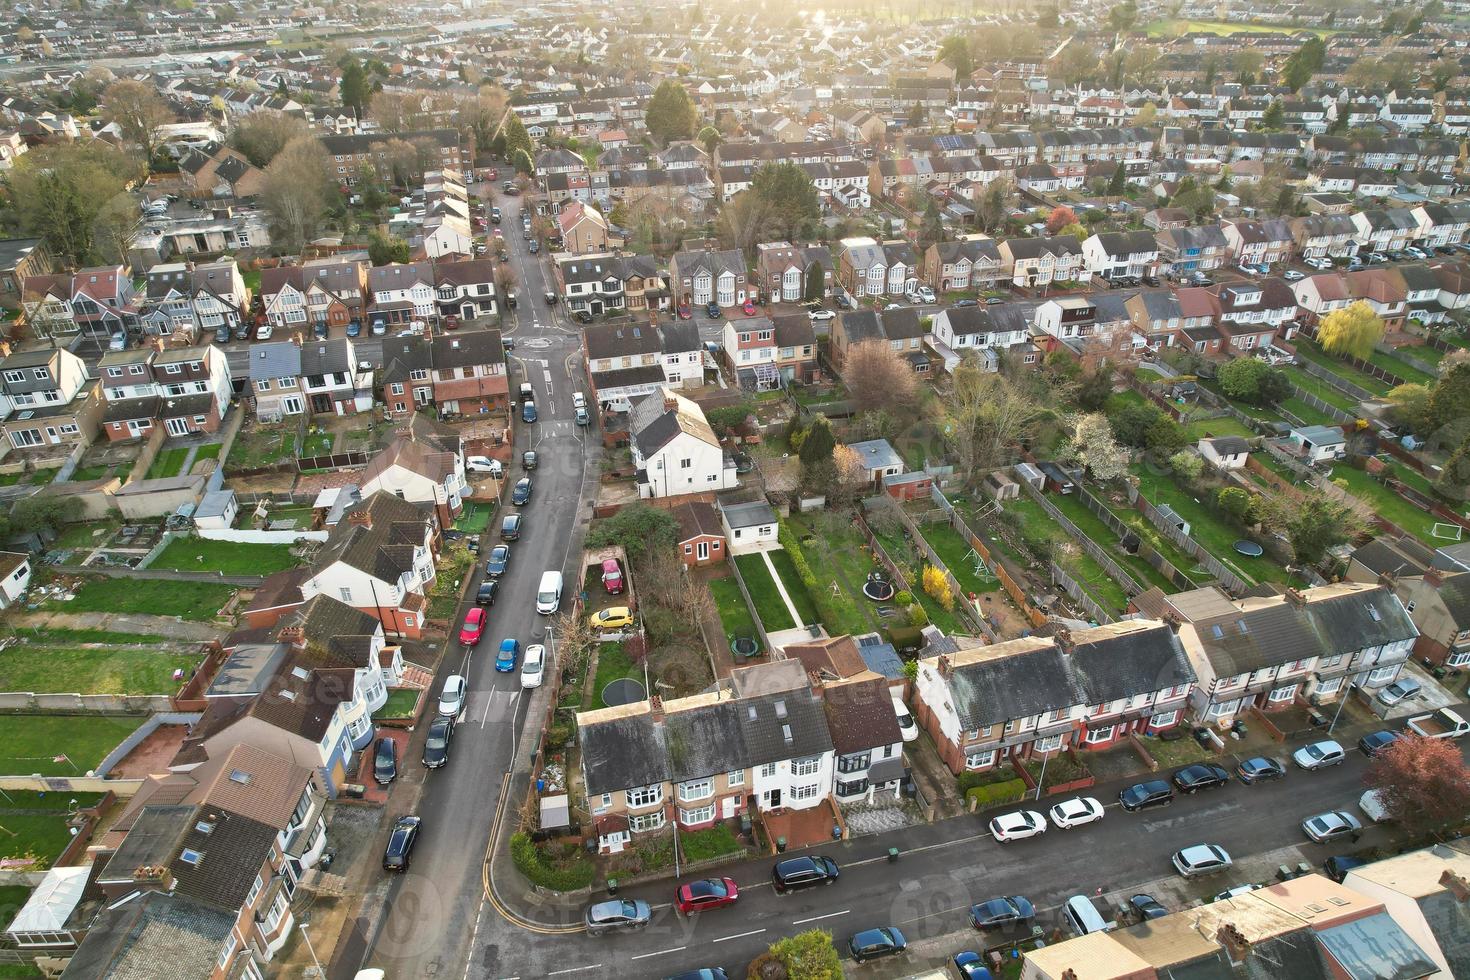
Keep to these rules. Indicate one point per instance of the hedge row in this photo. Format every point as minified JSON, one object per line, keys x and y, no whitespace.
{"x":997,"y":793}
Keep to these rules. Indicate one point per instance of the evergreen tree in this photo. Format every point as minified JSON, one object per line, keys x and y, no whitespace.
{"x":1304,"y":62}
{"x":353,"y":86}
{"x":670,"y":114}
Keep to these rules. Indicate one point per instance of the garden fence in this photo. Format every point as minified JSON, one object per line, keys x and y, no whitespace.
{"x":1078,"y":594}
{"x":148,"y":727}
{"x":1186,"y":544}
{"x":332,"y":461}
{"x":1409,"y":359}
{"x":1358,"y":364}
{"x":1336,"y":381}
{"x":1013,"y":588}
{"x":971,"y":614}
{"x":1146,"y":551}
{"x":1088,"y":545}
{"x":1326,"y":408}
{"x":110,"y":704}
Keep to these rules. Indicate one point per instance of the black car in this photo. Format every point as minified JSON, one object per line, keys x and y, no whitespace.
{"x":1260,"y":769}
{"x":796,"y":873}
{"x":875,"y":944}
{"x":485,"y":594}
{"x":1206,"y":775}
{"x":436,"y":746}
{"x":1150,"y":281}
{"x":400,"y":844}
{"x":1142,"y":796}
{"x":582,"y":316}
{"x":385,"y":761}
{"x":499,"y":559}
{"x":520,"y":494}
{"x":528,"y":459}
{"x":1338,"y":866}
{"x":961,"y":304}
{"x":1000,"y":913}
{"x":1375,"y":742}
{"x":533,"y":247}
{"x":1146,"y":907}
{"x":510,"y":528}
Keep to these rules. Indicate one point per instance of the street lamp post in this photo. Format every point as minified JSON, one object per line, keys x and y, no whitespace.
{"x":1340,"y":703}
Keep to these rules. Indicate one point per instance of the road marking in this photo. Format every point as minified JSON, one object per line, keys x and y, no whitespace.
{"x":575,"y":969}
{"x":738,"y":935}
{"x":819,"y":918}
{"x":644,"y":956}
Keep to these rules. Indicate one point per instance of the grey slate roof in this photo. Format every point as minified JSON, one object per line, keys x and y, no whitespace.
{"x":156,"y":936}
{"x":278,"y":360}
{"x":332,"y":356}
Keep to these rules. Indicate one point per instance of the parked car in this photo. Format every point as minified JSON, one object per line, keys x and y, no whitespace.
{"x":451,"y":698}
{"x":614,"y":617}
{"x":875,"y":944}
{"x":1205,"y":775}
{"x":748,"y":308}
{"x":961,"y":304}
{"x":970,"y":965}
{"x":1338,"y":866}
{"x":400,"y":843}
{"x":1142,"y":796}
{"x":1076,"y":812}
{"x":533,"y":666}
{"x":484,"y":464}
{"x":1259,"y":769}
{"x":1330,"y":826}
{"x":1292,"y":275}
{"x":1000,"y":913}
{"x":533,"y":246}
{"x":1017,"y":826}
{"x":794,"y":874}
{"x":385,"y":761}
{"x":520,"y":494}
{"x":821,"y":316}
{"x":485,"y":594}
{"x":1146,"y":907}
{"x":712,"y":310}
{"x":1319,"y":755}
{"x":473,"y":628}
{"x":528,"y":459}
{"x":694,"y":897}
{"x":1375,"y":742}
{"x":582,"y":416}
{"x":1319,"y":264}
{"x":528,"y":412}
{"x":925,"y":294}
{"x":506,"y":656}
{"x":1199,"y":860}
{"x":617,"y":915}
{"x":906,"y":725}
{"x":436,"y":745}
{"x":498,"y":561}
{"x":1403,"y":689}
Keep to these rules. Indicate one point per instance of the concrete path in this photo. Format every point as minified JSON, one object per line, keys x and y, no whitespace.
{"x":189,"y":458}
{"x":163,"y":574}
{"x":165,"y":626}
{"x":781,"y":588}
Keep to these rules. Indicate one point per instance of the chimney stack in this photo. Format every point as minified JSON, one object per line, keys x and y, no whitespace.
{"x":362,"y":517}
{"x":294,"y":635}
{"x":1433,"y":577}
{"x":946,"y":666}
{"x":1171,"y":620}
{"x":1457,"y":885}
{"x":1234,"y":942}
{"x":1295,"y":597}
{"x":1063,"y":640}
{"x":656,"y":708}
{"x":1388,"y":580}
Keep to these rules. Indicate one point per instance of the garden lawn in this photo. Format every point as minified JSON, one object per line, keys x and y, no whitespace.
{"x":400,"y":704}
{"x":204,"y":555}
{"x":1226,"y":425}
{"x":1168,"y":27}
{"x":763,"y":592}
{"x":168,"y":462}
{"x":86,"y":474}
{"x":795,"y":587}
{"x":1341,"y":368}
{"x":1257,"y":412}
{"x":1408,"y":372}
{"x":32,"y":743}
{"x":149,"y":597}
{"x":210,"y":450}
{"x":251,"y":278}
{"x":474,"y":519}
{"x":1043,"y":534}
{"x":734,"y":614}
{"x":260,"y":447}
{"x":454,"y":562}
{"x":957,"y":556}
{"x":46,"y":669}
{"x":317,"y":444}
{"x":1308,"y":414}
{"x":54,"y":802}
{"x":898,"y":548}
{"x":42,"y":836}
{"x":612,"y":663}
{"x":837,"y":555}
{"x":1091,"y":525}
{"x":1208,"y":529}
{"x":85,"y":535}
{"x":1320,"y":388}
{"x":707,"y":844}
{"x":1389,"y":505}
{"x":1119,"y":400}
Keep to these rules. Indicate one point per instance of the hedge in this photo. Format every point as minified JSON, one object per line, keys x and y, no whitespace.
{"x":531,"y":862}
{"x":997,"y":793}
{"x":787,"y":539}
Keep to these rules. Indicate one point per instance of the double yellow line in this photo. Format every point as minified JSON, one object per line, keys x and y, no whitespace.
{"x":505,"y":913}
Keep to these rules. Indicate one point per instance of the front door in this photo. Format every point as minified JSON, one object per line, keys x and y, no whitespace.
{"x":727,"y":808}
{"x":773,"y":799}
{"x":701,"y":551}
{"x":177,"y":427}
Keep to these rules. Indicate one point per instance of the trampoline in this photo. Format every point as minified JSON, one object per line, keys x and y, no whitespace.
{"x":624,"y":690}
{"x":1249,"y":548}
{"x":878,"y":588}
{"x":745,"y":646}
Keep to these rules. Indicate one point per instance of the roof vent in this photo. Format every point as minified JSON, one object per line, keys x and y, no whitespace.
{"x":750,"y":713}
{"x":288,"y":695}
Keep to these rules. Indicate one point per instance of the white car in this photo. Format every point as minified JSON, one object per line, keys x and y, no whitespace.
{"x":263,"y":332}
{"x":1292,"y":275}
{"x":1319,"y":755}
{"x":533,"y":666}
{"x":1404,"y":689}
{"x":893,"y":306}
{"x":1318,"y":263}
{"x":906,"y":724}
{"x":1076,"y":812}
{"x":821,"y":316}
{"x":925,"y":294}
{"x":451,"y":699}
{"x":484,"y":464}
{"x":1017,"y":826}
{"x":579,"y":400}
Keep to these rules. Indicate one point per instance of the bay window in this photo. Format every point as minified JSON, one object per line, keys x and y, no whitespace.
{"x":980,"y":760}
{"x":1163,"y":719}
{"x":696,"y":789}
{"x":805,"y":792}
{"x":645,"y":796}
{"x":1282,"y":695}
{"x":809,"y":766}
{"x":1100,"y":734}
{"x":1049,"y":744}
{"x":644,"y":822}
{"x":699,"y":814}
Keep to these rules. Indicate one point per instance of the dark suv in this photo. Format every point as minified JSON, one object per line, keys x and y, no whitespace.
{"x":797,"y":873}
{"x":1141,"y":796}
{"x":400,"y":844}
{"x":510,"y":528}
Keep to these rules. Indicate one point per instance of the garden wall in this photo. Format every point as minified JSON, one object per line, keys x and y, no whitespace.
{"x":113,"y":704}
{"x":71,"y":784}
{"x":147,"y":728}
{"x":249,"y":536}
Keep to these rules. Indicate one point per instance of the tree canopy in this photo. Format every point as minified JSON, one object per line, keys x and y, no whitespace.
{"x":639,"y":528}
{"x":1352,"y":331}
{"x":670,"y":114}
{"x":955,"y":52}
{"x":61,"y":191}
{"x":1303,"y":63}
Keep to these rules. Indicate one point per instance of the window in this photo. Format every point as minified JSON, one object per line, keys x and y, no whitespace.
{"x":854,"y":763}
{"x":806,"y":767}
{"x":696,"y":789}
{"x":1283,"y":694}
{"x":854,"y":788}
{"x":346,"y":595}
{"x":603,"y":803}
{"x":114,"y":372}
{"x":645,"y":796}
{"x":1330,"y":687}
{"x":980,"y":760}
{"x":768,"y":771}
{"x":805,"y":792}
{"x":1049,"y":744}
{"x":1384,"y":674}
{"x":1100,"y":734}
{"x":646,"y":822}
{"x":735,"y":778}
{"x":263,"y":385}
{"x":228,"y":951}
{"x":701,"y":814}
{"x":254,"y":892}
{"x":1459,"y":658}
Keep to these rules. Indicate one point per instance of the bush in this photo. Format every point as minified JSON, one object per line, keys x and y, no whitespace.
{"x":904,"y":598}
{"x":787,"y":538}
{"x":997,"y":794}
{"x":1187,"y":463}
{"x":557,"y":737}
{"x":918,"y":616}
{"x":937,"y":586}
{"x":570,"y":872}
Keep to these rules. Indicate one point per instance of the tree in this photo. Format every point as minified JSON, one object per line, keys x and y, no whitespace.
{"x":1303,"y":63}
{"x":1352,"y":331}
{"x":1254,"y":381}
{"x":59,"y":191}
{"x":139,"y":112}
{"x":670,"y":114}
{"x":993,"y":205}
{"x":1449,"y":401}
{"x":1165,"y":435}
{"x":1130,"y":424}
{"x":1409,"y":407}
{"x":818,"y":441}
{"x":783,"y":200}
{"x":937,"y":586}
{"x":1247,"y":63}
{"x":1118,"y":183}
{"x":1311,"y":524}
{"x":917,"y":115}
{"x":384,"y":249}
{"x":816,"y":282}
{"x":806,"y":956}
{"x":709,"y":137}
{"x":298,"y":186}
{"x":516,"y":137}
{"x":115,"y":228}
{"x":1234,"y":501}
{"x":262,"y":134}
{"x":1187,"y":463}
{"x":931,"y":231}
{"x":1148,"y":115}
{"x":878,"y":379}
{"x":1059,"y":218}
{"x":1274,"y":116}
{"x":1454,"y":482}
{"x":641,"y":529}
{"x":353,"y":86}
{"x":1095,"y":448}
{"x":1095,"y":387}
{"x":955,"y":52}
{"x":1423,"y":782}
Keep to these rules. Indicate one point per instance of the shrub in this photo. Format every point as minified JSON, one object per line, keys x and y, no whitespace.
{"x":787,"y":538}
{"x":996,"y":794}
{"x":557,"y":736}
{"x":918,"y":616}
{"x":1187,"y":463}
{"x":1234,"y":501}
{"x":937,"y":586}
{"x":571,"y":872}
{"x":904,"y":598}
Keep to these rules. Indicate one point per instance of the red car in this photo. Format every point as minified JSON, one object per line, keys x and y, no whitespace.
{"x":707,"y":893}
{"x":492,"y":174}
{"x":685,"y":313}
{"x":748,"y":309}
{"x":474,"y":627}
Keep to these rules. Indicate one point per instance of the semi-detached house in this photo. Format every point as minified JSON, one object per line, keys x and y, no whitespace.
{"x":333,"y":292}
{"x":47,"y":399}
{"x":187,"y":389}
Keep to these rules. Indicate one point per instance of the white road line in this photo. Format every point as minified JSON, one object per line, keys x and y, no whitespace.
{"x":644,"y":956}
{"x":575,"y":969}
{"x":738,"y":935}
{"x":819,"y":918}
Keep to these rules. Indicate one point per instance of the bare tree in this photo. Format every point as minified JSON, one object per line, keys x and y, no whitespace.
{"x":116,"y":228}
{"x":139,"y":112}
{"x":298,"y":185}
{"x":878,"y":379}
{"x":262,"y":134}
{"x":984,"y":414}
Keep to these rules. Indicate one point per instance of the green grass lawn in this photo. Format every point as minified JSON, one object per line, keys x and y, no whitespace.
{"x":795,"y":588}
{"x":1226,"y":425}
{"x":1307,"y":413}
{"x":31,"y":743}
{"x":317,"y":444}
{"x":1259,"y":412}
{"x":1091,"y":525}
{"x":837,"y":555}
{"x":263,"y":446}
{"x":168,"y":462}
{"x":210,"y":450}
{"x":474,"y":518}
{"x":763,"y":593}
{"x":957,"y":556}
{"x":55,"y":669}
{"x":251,"y":277}
{"x":1404,"y":370}
{"x":400,"y":703}
{"x":454,"y":562}
{"x":1043,"y":534}
{"x":612,"y":663}
{"x":232,"y":558}
{"x":39,"y":836}
{"x":1320,"y":388}
{"x":906,"y":556}
{"x":34,"y":478}
{"x":1207,"y":529}
{"x":151,"y":597}
{"x":54,"y":802}
{"x":1168,"y":27}
{"x":734,"y":615}
{"x":88,"y":535}
{"x":1388,"y":504}
{"x":1316,"y":354}
{"x":86,"y":474}
{"x":1411,"y":477}
{"x":1119,"y":400}
{"x":54,"y":634}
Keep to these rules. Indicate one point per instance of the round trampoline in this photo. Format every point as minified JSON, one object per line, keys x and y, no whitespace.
{"x":878,"y":588}
{"x":745,"y":646}
{"x":624,"y":690}
{"x":1249,"y":548}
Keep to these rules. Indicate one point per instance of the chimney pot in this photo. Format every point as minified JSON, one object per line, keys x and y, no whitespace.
{"x":656,"y":707}
{"x":1434,"y":577}
{"x":946,"y":666}
{"x":1456,"y":884}
{"x":1295,"y":597}
{"x":1063,"y":640}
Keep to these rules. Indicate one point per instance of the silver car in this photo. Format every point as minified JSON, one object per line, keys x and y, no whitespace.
{"x":1403,"y":689}
{"x":617,"y":915}
{"x":1330,"y":826}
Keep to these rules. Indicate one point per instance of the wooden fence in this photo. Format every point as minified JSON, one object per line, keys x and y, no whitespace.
{"x":1186,"y":544}
{"x":1078,"y":594}
{"x":969,"y":610}
{"x":1146,"y":551}
{"x":994,"y":561}
{"x":1088,"y":545}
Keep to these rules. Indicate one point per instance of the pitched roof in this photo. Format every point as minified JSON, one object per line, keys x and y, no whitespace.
{"x":697,"y":518}
{"x":125,"y":941}
{"x":384,"y":548}
{"x":654,"y":425}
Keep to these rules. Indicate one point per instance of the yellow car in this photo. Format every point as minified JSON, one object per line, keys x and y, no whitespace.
{"x":613,"y":618}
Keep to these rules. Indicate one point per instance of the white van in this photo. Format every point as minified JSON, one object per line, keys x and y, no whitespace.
{"x":1082,"y":917}
{"x":548,"y":593}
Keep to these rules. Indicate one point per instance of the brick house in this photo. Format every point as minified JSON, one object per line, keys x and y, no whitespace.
{"x":701,"y":538}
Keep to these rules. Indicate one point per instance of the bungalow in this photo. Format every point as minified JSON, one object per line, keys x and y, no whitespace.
{"x":701,"y":537}
{"x":1224,"y":452}
{"x":749,"y":527}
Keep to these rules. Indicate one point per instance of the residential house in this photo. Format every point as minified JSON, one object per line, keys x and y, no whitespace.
{"x":675,"y":451}
{"x":1224,"y":452}
{"x":1322,"y":236}
{"x":582,"y":228}
{"x":766,"y":353}
{"x":1084,"y":689}
{"x":1439,"y":604}
{"x":187,"y":389}
{"x":862,"y":267}
{"x":972,"y":263}
{"x":1248,"y":314}
{"x":1043,"y":261}
{"x":623,"y":363}
{"x":1268,"y":242}
{"x":48,"y":399}
{"x":787,"y":273}
{"x":167,"y":305}
{"x":219,"y":171}
{"x":1441,"y":224}
{"x":1319,"y":295}
{"x":424,"y":465}
{"x":699,"y":278}
{"x":465,"y":289}
{"x":406,"y":377}
{"x":1304,"y":647}
{"x":275,"y":380}
{"x":21,"y":258}
{"x":1157,"y":316}
{"x":1109,"y":255}
{"x":353,"y":154}
{"x":1386,"y":229}
{"x":332,"y":292}
{"x":1426,"y":892}
{"x":333,"y":379}
{"x":681,"y":354}
{"x":984,"y":329}
{"x":749,"y":527}
{"x":103,"y":303}
{"x":1199,"y":248}
{"x":402,"y":293}
{"x":467,"y":369}
{"x":1384,"y":290}
{"x":701,"y":538}
{"x":606,"y":281}
{"x":221,"y":298}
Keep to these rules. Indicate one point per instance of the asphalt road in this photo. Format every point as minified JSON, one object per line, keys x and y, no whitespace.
{"x":432,"y":911}
{"x":944,"y":869}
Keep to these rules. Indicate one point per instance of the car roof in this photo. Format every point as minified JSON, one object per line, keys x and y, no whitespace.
{"x":1199,"y":852}
{"x":508,"y":643}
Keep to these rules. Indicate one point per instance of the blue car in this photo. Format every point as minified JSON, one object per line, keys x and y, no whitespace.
{"x":528,"y":412}
{"x":971,"y":966}
{"x":354,"y":328}
{"x":510,"y":652}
